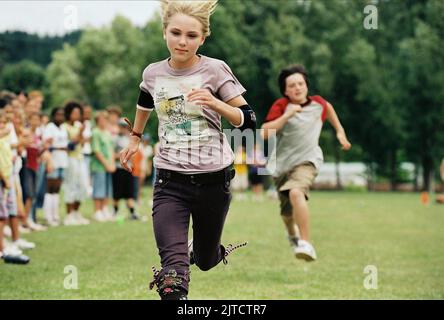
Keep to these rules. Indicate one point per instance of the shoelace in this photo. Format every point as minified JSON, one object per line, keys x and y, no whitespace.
{"x":155,"y":277}
{"x":230,"y":248}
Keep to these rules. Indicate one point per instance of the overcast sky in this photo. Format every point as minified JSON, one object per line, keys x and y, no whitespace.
{"x":60,"y":17}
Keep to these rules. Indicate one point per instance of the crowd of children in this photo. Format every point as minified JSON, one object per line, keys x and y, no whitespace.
{"x":72,"y":151}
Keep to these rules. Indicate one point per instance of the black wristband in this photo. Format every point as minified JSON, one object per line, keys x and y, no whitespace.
{"x":249,"y":118}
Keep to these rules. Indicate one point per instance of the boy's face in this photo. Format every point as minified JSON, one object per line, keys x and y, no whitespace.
{"x":113,"y":118}
{"x":296,"y":88}
{"x":102,"y":122}
{"x":87,"y":112}
{"x":59,"y":117}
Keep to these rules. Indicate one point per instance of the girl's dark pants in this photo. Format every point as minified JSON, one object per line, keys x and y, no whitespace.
{"x":177,"y":198}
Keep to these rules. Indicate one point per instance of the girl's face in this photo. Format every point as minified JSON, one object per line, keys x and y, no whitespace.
{"x":183,"y":37}
{"x":75,"y":115}
{"x":296,"y":88}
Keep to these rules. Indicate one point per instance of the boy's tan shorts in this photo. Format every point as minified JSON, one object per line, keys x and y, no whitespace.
{"x":300,"y":177}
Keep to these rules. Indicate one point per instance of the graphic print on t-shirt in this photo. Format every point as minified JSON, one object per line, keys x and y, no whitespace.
{"x":181,"y":122}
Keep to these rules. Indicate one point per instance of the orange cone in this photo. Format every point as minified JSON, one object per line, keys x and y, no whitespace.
{"x":425,"y":199}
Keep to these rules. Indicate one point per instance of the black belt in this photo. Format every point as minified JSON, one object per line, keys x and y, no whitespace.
{"x":221,"y":176}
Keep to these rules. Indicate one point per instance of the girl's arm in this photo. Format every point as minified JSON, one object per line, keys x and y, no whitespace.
{"x":333,"y":119}
{"x":227,"y":110}
{"x":79,"y":138}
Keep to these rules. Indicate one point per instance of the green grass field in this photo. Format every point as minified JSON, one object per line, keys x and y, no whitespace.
{"x":394,"y":232}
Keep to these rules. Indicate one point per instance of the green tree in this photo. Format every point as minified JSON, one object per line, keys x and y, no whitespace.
{"x":24,"y":75}
{"x":63,"y":77}
{"x":424,"y":93}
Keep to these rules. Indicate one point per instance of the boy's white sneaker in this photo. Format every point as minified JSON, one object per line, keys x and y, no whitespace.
{"x":23,"y":244}
{"x":108,"y":215}
{"x":23,"y":230}
{"x":80,"y":219}
{"x":53,"y":223}
{"x":70,"y":220}
{"x":35,"y":226}
{"x":12,"y":250}
{"x":98,"y":216}
{"x":305,"y":251}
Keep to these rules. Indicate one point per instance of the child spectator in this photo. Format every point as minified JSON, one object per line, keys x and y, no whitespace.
{"x":123,"y":181}
{"x":102,"y":166}
{"x":56,"y":137}
{"x":74,"y":182}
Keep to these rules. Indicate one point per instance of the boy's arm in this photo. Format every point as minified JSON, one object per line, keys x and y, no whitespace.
{"x":101,"y":159}
{"x":280,"y":122}
{"x":96,"y":151}
{"x":333,"y":119}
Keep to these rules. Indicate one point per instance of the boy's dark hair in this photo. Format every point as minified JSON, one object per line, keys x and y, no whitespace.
{"x":288,"y":71}
{"x":70,"y":107}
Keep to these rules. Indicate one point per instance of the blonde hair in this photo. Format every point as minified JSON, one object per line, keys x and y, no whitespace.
{"x":100,"y":114}
{"x":35,"y":94}
{"x":200,"y":10}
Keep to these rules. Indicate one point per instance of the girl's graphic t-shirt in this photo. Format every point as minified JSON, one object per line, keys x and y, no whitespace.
{"x":191,"y":137}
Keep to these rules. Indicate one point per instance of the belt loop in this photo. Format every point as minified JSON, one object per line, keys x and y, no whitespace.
{"x":192,"y":179}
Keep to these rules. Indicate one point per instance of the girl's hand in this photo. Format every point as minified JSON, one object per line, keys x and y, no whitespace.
{"x":203,"y":97}
{"x":127,"y":153}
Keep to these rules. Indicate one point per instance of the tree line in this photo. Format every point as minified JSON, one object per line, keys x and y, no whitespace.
{"x":386,"y":82}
